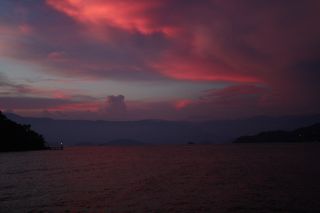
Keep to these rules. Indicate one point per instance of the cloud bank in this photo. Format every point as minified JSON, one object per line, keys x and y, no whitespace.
{"x":266,"y":52}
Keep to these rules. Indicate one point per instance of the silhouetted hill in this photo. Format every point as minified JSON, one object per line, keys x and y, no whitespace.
{"x":301,"y":135}
{"x":73,"y":132}
{"x":16,"y":137}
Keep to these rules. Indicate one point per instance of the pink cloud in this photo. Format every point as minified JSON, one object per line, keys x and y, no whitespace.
{"x":25,"y":29}
{"x":76,"y":107}
{"x":209,"y":40}
{"x":128,"y":14}
{"x":180,"y":104}
{"x":197,"y":69}
{"x":245,"y":44}
{"x":57,"y":56}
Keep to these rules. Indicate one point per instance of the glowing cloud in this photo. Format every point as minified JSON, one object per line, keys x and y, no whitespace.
{"x":125,"y":14}
{"x":182,"y":104}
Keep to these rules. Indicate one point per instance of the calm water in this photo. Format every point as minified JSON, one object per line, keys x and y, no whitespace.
{"x":208,"y":178}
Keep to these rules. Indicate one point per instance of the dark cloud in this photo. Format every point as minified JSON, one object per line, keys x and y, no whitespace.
{"x":236,"y":95}
{"x":116,"y":106}
{"x":15,"y":103}
{"x":10,"y":88}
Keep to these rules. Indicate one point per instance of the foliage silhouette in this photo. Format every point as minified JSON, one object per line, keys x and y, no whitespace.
{"x":301,"y":135}
{"x":17,"y":137}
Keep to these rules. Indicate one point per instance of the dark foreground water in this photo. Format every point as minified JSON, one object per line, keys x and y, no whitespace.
{"x":199,"y":178}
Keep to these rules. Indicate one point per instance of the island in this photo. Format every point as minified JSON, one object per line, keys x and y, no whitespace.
{"x":301,"y":135}
{"x":18,"y":137}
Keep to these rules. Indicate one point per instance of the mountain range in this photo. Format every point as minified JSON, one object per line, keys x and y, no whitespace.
{"x":86,"y":132}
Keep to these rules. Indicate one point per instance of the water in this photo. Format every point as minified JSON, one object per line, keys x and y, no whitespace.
{"x":199,"y":178}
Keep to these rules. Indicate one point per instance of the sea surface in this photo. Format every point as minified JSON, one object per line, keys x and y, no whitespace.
{"x":179,"y":178}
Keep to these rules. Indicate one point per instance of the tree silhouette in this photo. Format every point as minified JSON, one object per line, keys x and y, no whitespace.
{"x":17,"y":137}
{"x":301,"y":135}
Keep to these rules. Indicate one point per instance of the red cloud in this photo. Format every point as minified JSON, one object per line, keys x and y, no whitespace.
{"x":25,"y":29}
{"x":126,"y":14}
{"x":196,"y":69}
{"x":182,"y":103}
{"x":57,"y":56}
{"x":83,"y":106}
{"x":183,"y":45}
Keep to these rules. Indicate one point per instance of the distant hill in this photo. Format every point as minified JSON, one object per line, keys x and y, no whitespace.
{"x":86,"y":132}
{"x":301,"y":135}
{"x":16,"y":137}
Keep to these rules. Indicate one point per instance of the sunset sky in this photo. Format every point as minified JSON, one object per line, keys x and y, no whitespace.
{"x":159,"y":59}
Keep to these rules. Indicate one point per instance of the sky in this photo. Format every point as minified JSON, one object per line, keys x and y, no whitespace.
{"x":159,"y":59}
